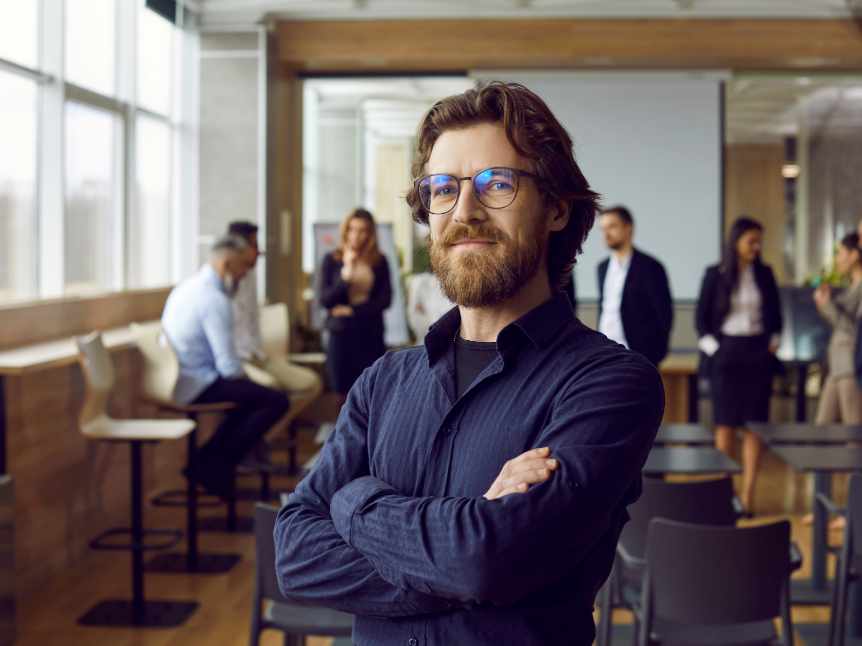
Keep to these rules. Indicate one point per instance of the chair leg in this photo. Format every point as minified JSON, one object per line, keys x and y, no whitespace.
{"x":256,"y":609}
{"x":841,"y":606}
{"x":137,"y":534}
{"x":293,"y":640}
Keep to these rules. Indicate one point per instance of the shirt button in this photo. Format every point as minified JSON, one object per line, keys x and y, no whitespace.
{"x":448,"y":604}
{"x":412,"y":642}
{"x":446,"y":430}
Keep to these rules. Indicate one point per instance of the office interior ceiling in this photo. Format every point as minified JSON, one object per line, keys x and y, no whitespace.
{"x":765,"y":109}
{"x":251,"y":11}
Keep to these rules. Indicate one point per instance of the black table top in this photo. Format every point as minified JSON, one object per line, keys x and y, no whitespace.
{"x":800,"y":433}
{"x":689,"y":460}
{"x":821,"y":458}
{"x":683,"y":434}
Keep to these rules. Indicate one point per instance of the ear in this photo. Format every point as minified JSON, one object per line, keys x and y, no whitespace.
{"x":560,"y":212}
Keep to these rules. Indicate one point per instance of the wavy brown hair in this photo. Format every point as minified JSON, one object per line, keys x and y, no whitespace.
{"x":535,"y":134}
{"x":369,"y":253}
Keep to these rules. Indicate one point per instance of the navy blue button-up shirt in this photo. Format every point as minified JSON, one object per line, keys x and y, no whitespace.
{"x":391,"y":525}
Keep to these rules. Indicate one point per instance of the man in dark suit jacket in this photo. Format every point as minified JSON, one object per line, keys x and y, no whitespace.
{"x":635,"y":305}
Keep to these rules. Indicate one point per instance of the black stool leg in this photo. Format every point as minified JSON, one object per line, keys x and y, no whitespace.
{"x":193,"y":562}
{"x":137,"y":535}
{"x":138,"y":612}
{"x":192,"y":509}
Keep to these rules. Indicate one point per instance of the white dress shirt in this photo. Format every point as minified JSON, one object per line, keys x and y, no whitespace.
{"x":611,"y":322}
{"x":745,"y":317}
{"x":246,"y":320}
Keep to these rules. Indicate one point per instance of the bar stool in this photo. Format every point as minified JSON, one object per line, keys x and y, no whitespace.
{"x":161,"y":371}
{"x":95,"y":424}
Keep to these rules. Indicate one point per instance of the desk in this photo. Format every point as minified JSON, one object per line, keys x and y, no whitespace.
{"x":683,"y":434}
{"x":43,"y":356}
{"x":823,"y":461}
{"x":689,"y":461}
{"x":811,"y":434}
{"x":678,"y":373}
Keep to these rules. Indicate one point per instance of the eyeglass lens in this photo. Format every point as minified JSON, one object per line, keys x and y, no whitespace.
{"x":495,"y":188}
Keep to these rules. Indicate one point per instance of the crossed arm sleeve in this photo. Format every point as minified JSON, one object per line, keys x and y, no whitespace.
{"x":472,"y":550}
{"x":314,"y":563}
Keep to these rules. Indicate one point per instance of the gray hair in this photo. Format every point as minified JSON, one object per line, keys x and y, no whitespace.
{"x":227,"y":245}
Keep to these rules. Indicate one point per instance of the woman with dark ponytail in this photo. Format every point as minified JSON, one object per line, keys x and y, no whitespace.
{"x":739,"y":324}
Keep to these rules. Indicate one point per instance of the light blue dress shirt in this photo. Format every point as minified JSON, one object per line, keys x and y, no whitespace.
{"x":199,"y":325}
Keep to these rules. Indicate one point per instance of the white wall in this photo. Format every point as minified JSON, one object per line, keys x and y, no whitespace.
{"x":651,"y":142}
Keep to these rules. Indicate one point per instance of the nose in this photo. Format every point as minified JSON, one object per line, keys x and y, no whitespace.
{"x":468,"y":210}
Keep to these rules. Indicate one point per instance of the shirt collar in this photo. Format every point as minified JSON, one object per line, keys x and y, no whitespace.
{"x":538,"y":325}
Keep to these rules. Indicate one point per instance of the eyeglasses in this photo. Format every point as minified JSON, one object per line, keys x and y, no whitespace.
{"x":495,"y":188}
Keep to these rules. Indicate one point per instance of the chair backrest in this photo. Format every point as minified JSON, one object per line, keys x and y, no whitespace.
{"x":161,"y":365}
{"x":275,"y":329}
{"x":698,"y":574}
{"x":704,"y":503}
{"x":98,"y":375}
{"x":264,"y":526}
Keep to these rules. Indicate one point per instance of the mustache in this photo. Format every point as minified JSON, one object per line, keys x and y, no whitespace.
{"x":477,"y":232}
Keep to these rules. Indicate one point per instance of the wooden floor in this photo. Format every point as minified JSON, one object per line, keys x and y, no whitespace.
{"x":48,"y":617}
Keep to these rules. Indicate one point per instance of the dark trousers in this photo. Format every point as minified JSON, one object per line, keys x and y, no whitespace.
{"x":259,"y":409}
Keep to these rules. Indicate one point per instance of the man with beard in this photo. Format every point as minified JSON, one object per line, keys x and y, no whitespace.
{"x":474,"y":489}
{"x":635,"y":305}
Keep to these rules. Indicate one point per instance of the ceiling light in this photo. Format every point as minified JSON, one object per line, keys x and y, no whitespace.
{"x":790,"y":171}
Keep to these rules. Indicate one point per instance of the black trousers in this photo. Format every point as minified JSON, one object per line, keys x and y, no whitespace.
{"x":259,"y":409}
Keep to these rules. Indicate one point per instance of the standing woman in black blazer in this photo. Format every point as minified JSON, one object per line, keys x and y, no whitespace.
{"x":739,"y":324}
{"x":355,"y":289}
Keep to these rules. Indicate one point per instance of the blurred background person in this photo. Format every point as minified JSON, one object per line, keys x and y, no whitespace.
{"x":635,"y":305}
{"x":739,"y":324}
{"x":274,"y":372}
{"x":425,"y":304}
{"x":199,"y":324}
{"x":840,"y":397}
{"x":355,"y":288}
{"x":301,"y":384}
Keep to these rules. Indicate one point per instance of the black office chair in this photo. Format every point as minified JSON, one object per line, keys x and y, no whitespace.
{"x":294,"y":620}
{"x":716,"y":585}
{"x":709,"y":502}
{"x":848,"y":567}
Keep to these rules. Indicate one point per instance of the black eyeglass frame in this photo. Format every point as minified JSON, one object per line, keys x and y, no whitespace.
{"x":518,"y":173}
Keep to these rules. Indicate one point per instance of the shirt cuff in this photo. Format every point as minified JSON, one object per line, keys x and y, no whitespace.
{"x":708,"y":344}
{"x":349,"y":498}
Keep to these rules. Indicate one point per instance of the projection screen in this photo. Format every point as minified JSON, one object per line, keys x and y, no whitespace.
{"x":653,"y":143}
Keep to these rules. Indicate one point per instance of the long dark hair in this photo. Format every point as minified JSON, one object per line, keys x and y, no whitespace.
{"x":729,"y":268}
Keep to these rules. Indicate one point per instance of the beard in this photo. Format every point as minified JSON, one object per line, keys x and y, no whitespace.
{"x":615,"y":246}
{"x":477,"y":279}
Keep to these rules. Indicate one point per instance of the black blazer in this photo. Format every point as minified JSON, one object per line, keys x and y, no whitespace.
{"x":647,"y":306}
{"x":711,"y":313}
{"x":368,"y":315}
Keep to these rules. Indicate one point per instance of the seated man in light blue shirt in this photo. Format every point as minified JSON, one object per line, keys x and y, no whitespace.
{"x":199,"y":323}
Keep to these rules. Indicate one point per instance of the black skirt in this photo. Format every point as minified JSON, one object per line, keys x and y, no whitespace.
{"x":741,"y":379}
{"x":350,"y":351}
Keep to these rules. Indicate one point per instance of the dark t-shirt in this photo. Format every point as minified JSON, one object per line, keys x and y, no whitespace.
{"x":471,"y":358}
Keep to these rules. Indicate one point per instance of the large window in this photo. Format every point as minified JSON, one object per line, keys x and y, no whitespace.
{"x":95,"y":132}
{"x":91,"y":156}
{"x":17,"y":187}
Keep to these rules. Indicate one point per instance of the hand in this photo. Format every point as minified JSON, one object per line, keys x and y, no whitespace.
{"x":773,"y":348}
{"x":350,"y":256}
{"x":822,"y":296}
{"x":517,"y":475}
{"x":341,"y":311}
